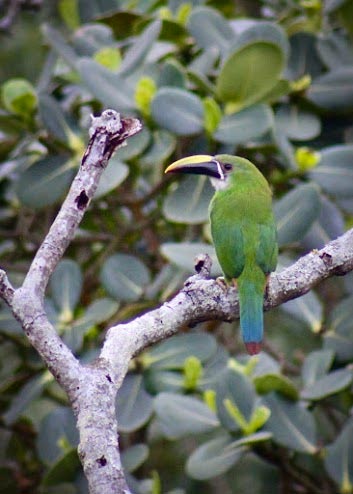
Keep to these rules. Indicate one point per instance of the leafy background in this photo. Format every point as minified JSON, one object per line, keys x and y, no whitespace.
{"x":269,"y":80}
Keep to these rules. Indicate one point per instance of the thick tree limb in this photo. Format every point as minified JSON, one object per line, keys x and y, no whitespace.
{"x":92,"y":389}
{"x":203,"y":299}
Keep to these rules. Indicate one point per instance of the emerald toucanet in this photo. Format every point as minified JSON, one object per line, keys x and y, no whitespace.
{"x":243,"y":230}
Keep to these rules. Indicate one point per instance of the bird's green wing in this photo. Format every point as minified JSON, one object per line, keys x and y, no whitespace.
{"x":228,"y":240}
{"x":267,"y":251}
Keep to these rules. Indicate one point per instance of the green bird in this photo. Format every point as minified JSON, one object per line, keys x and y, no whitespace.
{"x":243,"y":231}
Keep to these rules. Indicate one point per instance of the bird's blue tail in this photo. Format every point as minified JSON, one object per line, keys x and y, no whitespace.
{"x":251,"y":286}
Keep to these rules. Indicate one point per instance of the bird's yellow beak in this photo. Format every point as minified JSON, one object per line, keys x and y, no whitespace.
{"x":200,"y":164}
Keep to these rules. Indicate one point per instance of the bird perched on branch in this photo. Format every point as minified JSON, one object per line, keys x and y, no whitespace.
{"x":243,"y":231}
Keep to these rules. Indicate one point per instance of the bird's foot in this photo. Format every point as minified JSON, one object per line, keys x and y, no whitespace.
{"x":221,"y":281}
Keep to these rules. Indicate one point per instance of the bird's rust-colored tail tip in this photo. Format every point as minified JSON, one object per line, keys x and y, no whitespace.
{"x":253,"y":347}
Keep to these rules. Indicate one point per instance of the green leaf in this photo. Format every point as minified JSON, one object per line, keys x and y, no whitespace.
{"x":192,"y":373}
{"x":295,"y":212}
{"x":44,"y":182}
{"x":331,"y":383}
{"x":235,"y":389}
{"x":68,"y":10}
{"x":144,"y":92}
{"x":340,"y":319}
{"x":172,"y":74}
{"x":275,"y":382}
{"x":334,"y":173}
{"x":137,"y":52}
{"x":134,"y":405}
{"x":303,"y":58}
{"x":106,"y":86}
{"x":333,"y":91}
{"x":213,"y":458}
{"x":328,"y":226}
{"x":183,"y":255}
{"x":115,"y":173}
{"x":109,"y":57}
{"x":29,"y":392}
{"x":53,"y":117}
{"x":335,"y":50}
{"x":178,"y":111}
{"x":58,"y":42}
{"x":97,"y":312}
{"x":173,"y":352}
{"x":249,"y":73}
{"x":308,"y":309}
{"x":64,"y":470}
{"x":19,"y":97}
{"x":157,"y":380}
{"x":238,"y":128}
{"x":316,"y":365}
{"x":133,"y":457}
{"x":212,"y":114}
{"x":339,"y":458}
{"x":291,"y":424}
{"x":162,"y":146}
{"x":210,"y":29}
{"x":188,"y":201}
{"x":124,"y":277}
{"x":255,"y":438}
{"x":56,"y":429}
{"x":66,"y":286}
{"x":298,"y":124}
{"x":180,"y":416}
{"x":264,"y":31}
{"x":135,"y":146}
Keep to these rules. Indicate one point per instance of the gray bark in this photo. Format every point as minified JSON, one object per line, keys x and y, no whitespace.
{"x":92,"y":389}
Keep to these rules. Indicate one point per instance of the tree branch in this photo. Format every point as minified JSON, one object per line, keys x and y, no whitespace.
{"x":89,"y":388}
{"x":92,"y":389}
{"x":203,"y":299}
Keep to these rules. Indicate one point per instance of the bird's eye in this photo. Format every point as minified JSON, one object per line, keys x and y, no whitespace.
{"x":228,"y":166}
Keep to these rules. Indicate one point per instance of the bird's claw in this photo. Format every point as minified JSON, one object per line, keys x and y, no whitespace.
{"x":221,"y":282}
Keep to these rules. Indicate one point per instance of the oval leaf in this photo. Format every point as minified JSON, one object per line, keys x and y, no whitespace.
{"x":339,"y":458}
{"x":316,"y":365}
{"x":308,"y":309}
{"x":249,"y":73}
{"x":291,"y":424}
{"x":59,"y":425}
{"x":335,"y":171}
{"x":178,"y":110}
{"x":181,"y":415}
{"x":172,"y":353}
{"x":44,"y":182}
{"x":238,"y":128}
{"x":134,"y":456}
{"x":297,"y":124}
{"x":213,"y":458}
{"x":328,"y":385}
{"x":134,"y":405}
{"x":295,"y":212}
{"x":66,"y":285}
{"x":189,"y":201}
{"x":124,"y":277}
{"x":108,"y":87}
{"x":135,"y":55}
{"x":333,"y":91}
{"x":115,"y":173}
{"x":210,"y":29}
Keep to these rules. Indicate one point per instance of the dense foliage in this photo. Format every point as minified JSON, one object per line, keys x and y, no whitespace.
{"x":271,"y":81}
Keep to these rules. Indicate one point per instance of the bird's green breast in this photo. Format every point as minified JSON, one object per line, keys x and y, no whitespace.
{"x":242,"y":224}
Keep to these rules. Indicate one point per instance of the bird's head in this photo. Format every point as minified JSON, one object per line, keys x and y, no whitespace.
{"x":219,"y":168}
